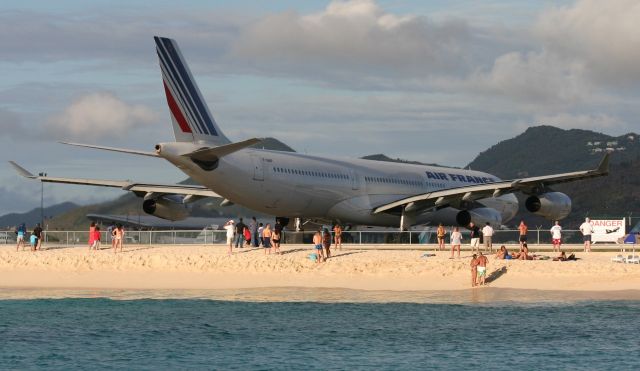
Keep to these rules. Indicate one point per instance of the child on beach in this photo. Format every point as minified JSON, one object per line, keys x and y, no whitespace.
{"x":95,"y":239}
{"x":33,"y":241}
{"x":317,"y":244}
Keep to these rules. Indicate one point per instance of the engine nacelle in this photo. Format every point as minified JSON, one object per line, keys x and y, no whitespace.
{"x":551,"y":205}
{"x":479,"y":217}
{"x":165,"y":209}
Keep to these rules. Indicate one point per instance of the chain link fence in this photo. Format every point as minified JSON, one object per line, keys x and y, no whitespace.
{"x":207,"y":237}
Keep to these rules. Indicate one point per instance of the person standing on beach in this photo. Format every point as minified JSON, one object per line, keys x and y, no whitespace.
{"x":523,"y":229}
{"x":487,"y":235}
{"x":587,"y":229}
{"x":253,"y":227}
{"x":317,"y":245}
{"x":239,"y":236}
{"x":456,"y":240}
{"x":95,"y":239}
{"x":337,"y":230}
{"x":475,"y":237}
{"x":326,"y":243}
{"x":92,"y":228}
{"x":119,"y":232}
{"x":482,"y":268}
{"x":230,"y":228}
{"x":556,"y":236}
{"x":260,"y":236}
{"x":266,"y":238}
{"x":474,"y":270}
{"x":275,"y":240}
{"x":21,"y":232}
{"x":440,"y":233}
{"x":37,"y":231}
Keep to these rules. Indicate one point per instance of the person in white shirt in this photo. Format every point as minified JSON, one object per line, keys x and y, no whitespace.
{"x":556,"y":236}
{"x":487,"y":234}
{"x":456,"y":240}
{"x":230,"y":227}
{"x":587,"y":229}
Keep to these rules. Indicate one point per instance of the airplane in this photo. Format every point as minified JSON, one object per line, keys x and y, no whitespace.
{"x":294,"y":185}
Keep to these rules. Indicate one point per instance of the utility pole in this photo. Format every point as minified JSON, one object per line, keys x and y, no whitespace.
{"x":42,"y":200}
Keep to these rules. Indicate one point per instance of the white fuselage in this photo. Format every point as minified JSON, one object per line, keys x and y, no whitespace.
{"x":297,"y":185}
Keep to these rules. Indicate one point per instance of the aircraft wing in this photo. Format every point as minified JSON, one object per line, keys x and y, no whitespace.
{"x":138,"y":188}
{"x":455,"y":196}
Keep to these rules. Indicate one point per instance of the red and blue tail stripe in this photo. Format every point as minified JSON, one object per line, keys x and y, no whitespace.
{"x":185,"y":101}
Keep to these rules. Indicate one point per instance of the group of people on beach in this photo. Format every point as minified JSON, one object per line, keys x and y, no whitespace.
{"x":35,"y":238}
{"x":255,"y":234}
{"x":455,"y":238}
{"x":241,"y":235}
{"x":478,"y":269}
{"x":115,"y":231}
{"x":322,"y":242}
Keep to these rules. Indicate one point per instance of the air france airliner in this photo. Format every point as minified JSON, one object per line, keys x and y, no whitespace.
{"x":293,"y":185}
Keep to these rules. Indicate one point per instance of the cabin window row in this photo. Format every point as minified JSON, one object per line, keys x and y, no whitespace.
{"x":321,"y":174}
{"x":409,"y":182}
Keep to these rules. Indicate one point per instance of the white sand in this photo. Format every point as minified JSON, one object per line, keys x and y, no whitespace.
{"x":209,"y":267}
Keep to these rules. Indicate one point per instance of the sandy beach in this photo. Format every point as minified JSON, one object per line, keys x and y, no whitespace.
{"x":209,"y":267}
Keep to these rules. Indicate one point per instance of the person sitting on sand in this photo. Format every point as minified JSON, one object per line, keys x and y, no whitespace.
{"x":561,"y":258}
{"x":482,"y":268}
{"x":502,"y":253}
{"x":317,"y":244}
{"x":524,"y":253}
{"x":474,"y":270}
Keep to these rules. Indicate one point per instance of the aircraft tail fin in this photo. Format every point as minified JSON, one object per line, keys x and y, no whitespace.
{"x":192,"y":121}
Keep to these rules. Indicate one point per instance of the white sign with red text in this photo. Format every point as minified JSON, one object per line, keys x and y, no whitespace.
{"x":607,"y":230}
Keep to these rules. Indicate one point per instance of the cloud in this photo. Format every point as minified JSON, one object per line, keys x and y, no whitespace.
{"x":533,"y":78}
{"x":98,"y":116}
{"x":355,"y":37}
{"x":11,"y":125}
{"x":603,"y":35}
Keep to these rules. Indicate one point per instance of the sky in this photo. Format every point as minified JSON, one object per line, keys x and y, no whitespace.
{"x":437,"y":81}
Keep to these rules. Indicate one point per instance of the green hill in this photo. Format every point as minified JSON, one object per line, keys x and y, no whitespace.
{"x":548,"y":150}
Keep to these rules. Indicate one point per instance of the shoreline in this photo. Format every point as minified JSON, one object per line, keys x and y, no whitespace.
{"x":196,"y":267}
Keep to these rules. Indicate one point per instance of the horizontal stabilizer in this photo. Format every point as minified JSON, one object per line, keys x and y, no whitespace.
{"x":22,"y":171}
{"x":123,"y":150}
{"x":137,"y":188}
{"x":214,"y":153}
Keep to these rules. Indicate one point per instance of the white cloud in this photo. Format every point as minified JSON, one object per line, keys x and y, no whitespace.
{"x":99,"y":116}
{"x":534,"y":78}
{"x":358,"y":38}
{"x":604,"y":35}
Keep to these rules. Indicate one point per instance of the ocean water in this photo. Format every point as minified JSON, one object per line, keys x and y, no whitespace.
{"x":205,"y":333}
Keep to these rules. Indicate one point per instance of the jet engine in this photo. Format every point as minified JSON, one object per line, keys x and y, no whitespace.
{"x":551,"y":205}
{"x":165,"y":208}
{"x":479,"y":216}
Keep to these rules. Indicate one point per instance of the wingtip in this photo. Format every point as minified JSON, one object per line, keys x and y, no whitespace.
{"x":603,"y":167}
{"x":22,"y":171}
